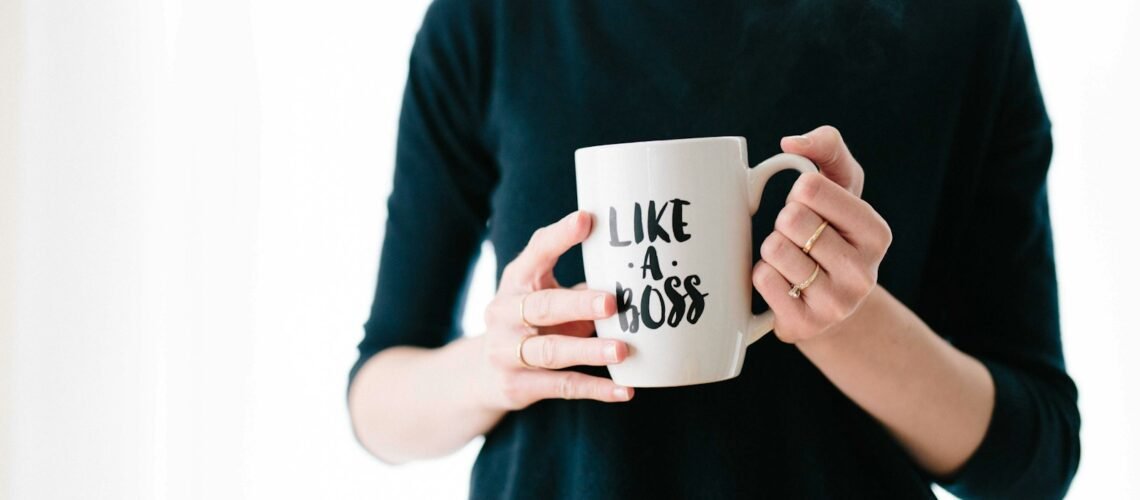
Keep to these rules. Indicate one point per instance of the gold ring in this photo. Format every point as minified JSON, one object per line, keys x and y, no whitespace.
{"x":522,"y":361}
{"x":522,"y":315}
{"x":814,"y":236}
{"x":795,"y":291}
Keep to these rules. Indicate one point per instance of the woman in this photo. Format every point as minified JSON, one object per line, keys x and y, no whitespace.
{"x":938,"y":361}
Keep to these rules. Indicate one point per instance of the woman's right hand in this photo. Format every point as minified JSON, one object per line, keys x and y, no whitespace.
{"x":561,"y":331}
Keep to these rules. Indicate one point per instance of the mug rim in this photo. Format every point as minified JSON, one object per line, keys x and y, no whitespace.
{"x":736,"y":138}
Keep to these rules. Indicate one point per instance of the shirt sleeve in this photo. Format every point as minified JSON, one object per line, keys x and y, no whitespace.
{"x":1001,"y":297}
{"x":440,"y":200}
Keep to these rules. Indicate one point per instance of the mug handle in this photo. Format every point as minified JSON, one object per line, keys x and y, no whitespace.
{"x":758,"y":176}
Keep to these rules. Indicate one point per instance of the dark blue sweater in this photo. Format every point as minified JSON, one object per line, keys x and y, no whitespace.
{"x":939,"y":102}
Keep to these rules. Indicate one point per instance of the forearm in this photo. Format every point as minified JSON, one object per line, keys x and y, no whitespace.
{"x":936,"y":400}
{"x":409,"y":403}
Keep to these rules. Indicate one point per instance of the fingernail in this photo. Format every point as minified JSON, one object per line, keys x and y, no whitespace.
{"x":622,"y":393}
{"x":579,"y":217}
{"x":800,"y":140}
{"x":611,"y":352}
{"x":600,"y":306}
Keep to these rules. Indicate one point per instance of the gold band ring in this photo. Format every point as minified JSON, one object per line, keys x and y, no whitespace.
{"x":795,"y":291}
{"x":522,"y":361}
{"x":814,"y":236}
{"x":522,"y":314}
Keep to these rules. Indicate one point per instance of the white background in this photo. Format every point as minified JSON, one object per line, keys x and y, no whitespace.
{"x":191,"y":205}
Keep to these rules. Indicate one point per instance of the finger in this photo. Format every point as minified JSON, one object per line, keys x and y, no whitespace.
{"x":573,"y":385}
{"x":825,"y":147}
{"x":546,"y":245}
{"x":774,"y":288}
{"x":559,"y":351}
{"x":798,"y":223}
{"x":554,"y":306}
{"x":852,"y":217}
{"x":583,"y":328}
{"x":796,"y":267}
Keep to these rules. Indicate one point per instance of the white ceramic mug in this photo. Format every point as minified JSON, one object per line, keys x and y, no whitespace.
{"x":672,"y":239}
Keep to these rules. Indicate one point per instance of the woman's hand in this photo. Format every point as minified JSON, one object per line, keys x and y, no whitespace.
{"x":560,"y":333}
{"x":848,"y":250}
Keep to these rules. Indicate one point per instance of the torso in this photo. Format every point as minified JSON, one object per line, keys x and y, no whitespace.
{"x":569,"y":74}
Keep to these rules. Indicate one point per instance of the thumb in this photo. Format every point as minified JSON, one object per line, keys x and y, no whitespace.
{"x":826,"y":148}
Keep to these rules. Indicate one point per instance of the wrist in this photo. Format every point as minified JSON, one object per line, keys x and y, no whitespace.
{"x":475,"y":395}
{"x":860,"y":322}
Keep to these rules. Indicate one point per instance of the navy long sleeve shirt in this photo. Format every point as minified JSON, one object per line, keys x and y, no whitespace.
{"x":939,"y":102}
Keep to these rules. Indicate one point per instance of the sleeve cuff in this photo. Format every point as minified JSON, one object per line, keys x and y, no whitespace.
{"x":994,"y":467}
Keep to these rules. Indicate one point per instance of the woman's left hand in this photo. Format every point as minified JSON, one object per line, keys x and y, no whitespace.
{"x":848,"y":250}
